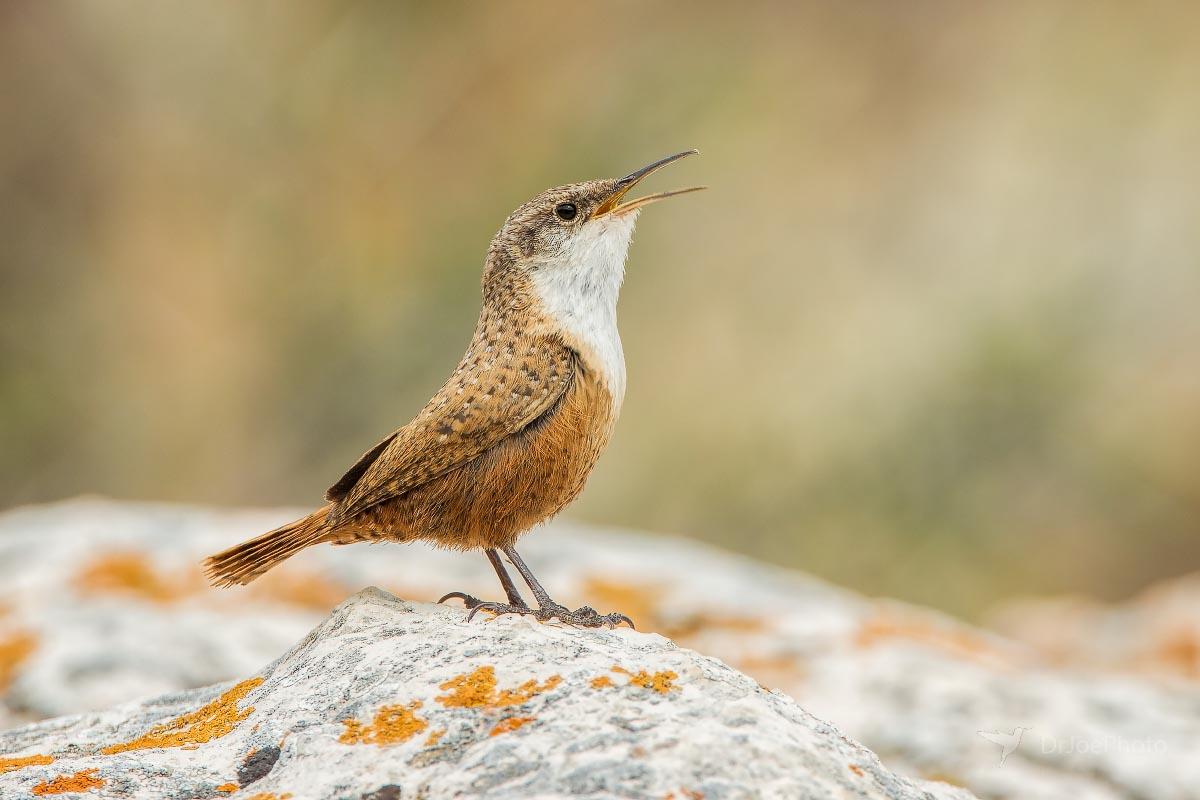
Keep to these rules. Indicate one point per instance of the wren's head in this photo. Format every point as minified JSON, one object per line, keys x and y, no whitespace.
{"x":563,"y":254}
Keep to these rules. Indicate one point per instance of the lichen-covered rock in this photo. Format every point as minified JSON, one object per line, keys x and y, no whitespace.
{"x":390,"y":699}
{"x":104,"y":603}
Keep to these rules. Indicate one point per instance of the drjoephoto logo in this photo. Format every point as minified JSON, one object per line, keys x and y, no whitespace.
{"x":1009,"y":741}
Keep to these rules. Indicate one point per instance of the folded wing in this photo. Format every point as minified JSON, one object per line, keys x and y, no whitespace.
{"x":492,"y":395}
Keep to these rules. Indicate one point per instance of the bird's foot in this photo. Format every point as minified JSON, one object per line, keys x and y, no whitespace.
{"x":585,"y":617}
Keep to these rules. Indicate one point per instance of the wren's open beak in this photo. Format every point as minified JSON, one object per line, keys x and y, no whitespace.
{"x":613,"y":204}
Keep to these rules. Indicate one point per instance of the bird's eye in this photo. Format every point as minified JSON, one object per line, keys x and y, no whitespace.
{"x":566,"y":211}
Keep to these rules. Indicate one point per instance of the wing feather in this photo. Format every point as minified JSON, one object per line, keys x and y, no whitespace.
{"x":342,"y":488}
{"x":494,"y":393}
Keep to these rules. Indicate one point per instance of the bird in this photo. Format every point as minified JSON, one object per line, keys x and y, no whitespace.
{"x":511,"y":437}
{"x":1009,"y":741}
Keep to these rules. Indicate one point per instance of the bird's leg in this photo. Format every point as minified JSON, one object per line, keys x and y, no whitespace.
{"x":510,"y":588}
{"x":515,"y":601}
{"x":539,"y":593}
{"x":586,"y":616}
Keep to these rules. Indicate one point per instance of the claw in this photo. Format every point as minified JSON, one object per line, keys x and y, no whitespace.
{"x":470,"y":601}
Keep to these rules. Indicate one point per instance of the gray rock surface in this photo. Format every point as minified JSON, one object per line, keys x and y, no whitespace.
{"x":388,"y":698}
{"x":103,"y":603}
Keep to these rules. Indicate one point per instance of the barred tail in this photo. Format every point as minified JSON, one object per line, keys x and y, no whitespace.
{"x":248,"y":560}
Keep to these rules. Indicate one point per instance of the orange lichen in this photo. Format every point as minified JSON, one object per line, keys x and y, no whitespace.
{"x":17,"y":762}
{"x":435,"y":736}
{"x":944,"y":777}
{"x":856,"y":769}
{"x":688,"y":794}
{"x":642,"y":603}
{"x":228,"y":787}
{"x":526,"y":691}
{"x":305,"y":589}
{"x":131,"y":574}
{"x":270,"y":796}
{"x":475,"y":690}
{"x":510,"y":724}
{"x":601,"y":682}
{"x":478,"y":690}
{"x":930,"y":632}
{"x":661,"y":682}
{"x":79,"y":782}
{"x":392,"y":724}
{"x":1180,"y":651}
{"x":639,"y":602}
{"x":14,"y":649}
{"x":211,"y":721}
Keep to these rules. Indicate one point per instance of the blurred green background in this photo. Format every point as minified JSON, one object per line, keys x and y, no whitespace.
{"x":934,"y":332}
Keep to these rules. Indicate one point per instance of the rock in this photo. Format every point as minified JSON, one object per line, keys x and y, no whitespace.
{"x":391,"y":699}
{"x":106,"y":604}
{"x":1155,"y":634}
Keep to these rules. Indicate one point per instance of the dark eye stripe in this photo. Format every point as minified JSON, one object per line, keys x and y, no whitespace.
{"x":566,"y":211}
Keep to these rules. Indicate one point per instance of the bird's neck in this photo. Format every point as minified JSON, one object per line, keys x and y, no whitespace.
{"x":571,"y":296}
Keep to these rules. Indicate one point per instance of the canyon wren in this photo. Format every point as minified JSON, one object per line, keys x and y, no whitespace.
{"x":512,"y":436}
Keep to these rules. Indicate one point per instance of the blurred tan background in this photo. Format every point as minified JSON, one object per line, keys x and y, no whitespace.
{"x":934,"y":332}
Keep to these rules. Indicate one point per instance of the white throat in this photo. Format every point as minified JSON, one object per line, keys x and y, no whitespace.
{"x":580,"y":289}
